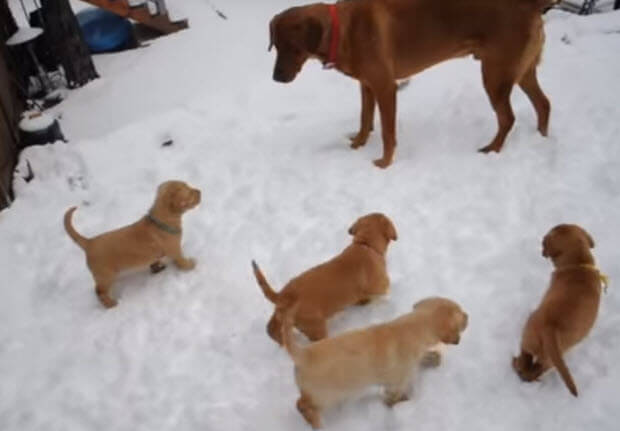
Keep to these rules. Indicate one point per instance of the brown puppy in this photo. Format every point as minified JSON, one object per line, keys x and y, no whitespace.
{"x":380,"y":41}
{"x":567,"y":311}
{"x":140,"y":244}
{"x":331,"y":370}
{"x":355,"y":276}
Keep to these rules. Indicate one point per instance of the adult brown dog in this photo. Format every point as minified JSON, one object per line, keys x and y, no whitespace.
{"x":568,"y":309}
{"x":380,"y":41}
{"x":355,"y":276}
{"x":143,"y":243}
{"x":331,"y":370}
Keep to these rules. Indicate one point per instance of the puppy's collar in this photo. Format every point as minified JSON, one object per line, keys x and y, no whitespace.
{"x":602,"y":277}
{"x":332,"y":56}
{"x":163,"y":226}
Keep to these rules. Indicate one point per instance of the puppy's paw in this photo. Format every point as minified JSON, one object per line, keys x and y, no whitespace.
{"x":108,"y":302}
{"x":391,"y":399}
{"x":157,"y":267}
{"x":186,"y":264}
{"x":358,"y":140}
{"x":431,"y":359}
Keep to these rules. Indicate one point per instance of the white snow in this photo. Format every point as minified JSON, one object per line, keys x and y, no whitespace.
{"x":34,"y":121}
{"x":188,"y":351}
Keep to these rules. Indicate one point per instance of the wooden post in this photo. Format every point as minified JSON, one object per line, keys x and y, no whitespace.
{"x":67,"y":42}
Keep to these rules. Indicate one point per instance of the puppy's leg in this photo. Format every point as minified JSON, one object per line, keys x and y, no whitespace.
{"x":431,"y":359}
{"x":396,"y":390}
{"x":103,"y":283}
{"x":526,"y":368}
{"x":529,"y":85}
{"x":386,"y":97}
{"x":309,"y":410}
{"x":313,"y":329}
{"x":157,"y":267}
{"x":179,"y":260}
{"x":498,"y":82}
{"x":367,"y":117}
{"x":364,"y":301}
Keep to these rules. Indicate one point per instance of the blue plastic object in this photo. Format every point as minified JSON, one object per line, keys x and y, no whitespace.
{"x":103,"y":30}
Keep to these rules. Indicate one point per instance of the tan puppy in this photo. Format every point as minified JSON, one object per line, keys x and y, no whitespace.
{"x":331,"y":370}
{"x":378,"y":42}
{"x":567,"y":311}
{"x":143,"y":243}
{"x":355,"y":276}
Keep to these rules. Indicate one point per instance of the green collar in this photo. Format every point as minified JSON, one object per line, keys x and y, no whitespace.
{"x":163,"y":226}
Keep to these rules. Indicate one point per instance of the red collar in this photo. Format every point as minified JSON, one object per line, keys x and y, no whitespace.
{"x":332,"y":56}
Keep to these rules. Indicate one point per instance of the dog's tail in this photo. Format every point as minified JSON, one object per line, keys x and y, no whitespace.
{"x":75,"y":236}
{"x":288,"y":320}
{"x":550,"y":346}
{"x":269,"y":293}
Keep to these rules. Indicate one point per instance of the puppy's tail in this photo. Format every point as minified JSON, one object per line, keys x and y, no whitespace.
{"x":287,"y":334}
{"x":269,"y":293}
{"x":550,"y":343}
{"x":75,"y":236}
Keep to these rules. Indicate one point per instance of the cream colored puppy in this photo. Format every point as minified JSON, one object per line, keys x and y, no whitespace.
{"x":331,"y":370}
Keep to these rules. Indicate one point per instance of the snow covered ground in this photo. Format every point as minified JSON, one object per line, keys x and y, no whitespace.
{"x":188,"y":351}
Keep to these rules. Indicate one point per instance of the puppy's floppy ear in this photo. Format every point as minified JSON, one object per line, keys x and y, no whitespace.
{"x":589,"y":238}
{"x":389,"y":230}
{"x":314,"y":34}
{"x":548,"y":249}
{"x":272,"y":26}
{"x":180,"y":200}
{"x":353,"y":228}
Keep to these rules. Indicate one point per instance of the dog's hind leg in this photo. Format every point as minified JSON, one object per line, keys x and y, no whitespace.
{"x":526,"y":368}
{"x":315,"y":330}
{"x":386,"y":97}
{"x":498,"y":81}
{"x":103,"y":283}
{"x":367,"y":117}
{"x":309,"y":410}
{"x":529,"y":85}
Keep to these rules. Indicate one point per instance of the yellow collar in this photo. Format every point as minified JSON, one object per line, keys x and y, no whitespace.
{"x":603,"y":277}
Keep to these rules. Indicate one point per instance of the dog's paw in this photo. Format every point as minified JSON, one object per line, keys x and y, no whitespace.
{"x":391,"y":400}
{"x":186,"y":264}
{"x":382,"y":163}
{"x":431,"y":359}
{"x":108,"y":302}
{"x":358,"y":140}
{"x":157,"y":267}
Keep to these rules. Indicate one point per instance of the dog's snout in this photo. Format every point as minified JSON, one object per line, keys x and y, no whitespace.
{"x":278,"y":75}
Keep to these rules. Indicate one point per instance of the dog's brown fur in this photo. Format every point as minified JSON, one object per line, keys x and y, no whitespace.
{"x":567,"y":311}
{"x":355,"y":276}
{"x":140,"y":244}
{"x":331,"y":370}
{"x":382,"y":41}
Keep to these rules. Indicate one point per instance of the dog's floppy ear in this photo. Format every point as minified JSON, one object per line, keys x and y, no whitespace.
{"x":272,"y":26}
{"x":389,"y":229}
{"x":314,"y":34}
{"x":548,"y":249}
{"x":589,"y":237}
{"x":180,"y":200}
{"x":354,"y":227}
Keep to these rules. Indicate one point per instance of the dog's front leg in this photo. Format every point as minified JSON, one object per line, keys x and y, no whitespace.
{"x":181,"y":261}
{"x":367,"y":117}
{"x":386,"y":97}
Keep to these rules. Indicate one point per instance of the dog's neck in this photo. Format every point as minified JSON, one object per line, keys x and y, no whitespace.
{"x":330,"y":51}
{"x":165,"y":217}
{"x":376,"y":245}
{"x":573,"y":259}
